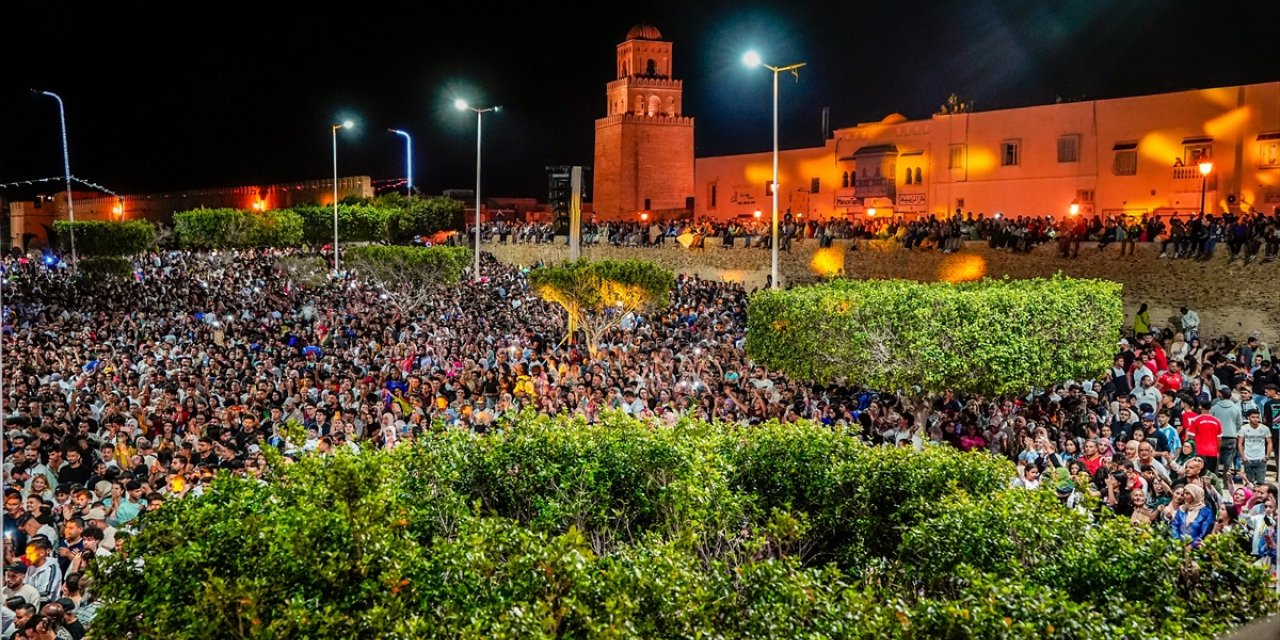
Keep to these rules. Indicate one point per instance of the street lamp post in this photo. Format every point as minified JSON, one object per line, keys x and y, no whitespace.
{"x":1205,"y":169}
{"x":66,"y":166}
{"x":463,"y":106}
{"x":345,"y":124}
{"x":752,"y":59}
{"x":408,"y":159}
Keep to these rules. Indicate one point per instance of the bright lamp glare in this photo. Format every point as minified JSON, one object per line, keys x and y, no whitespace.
{"x":460,"y":104}
{"x":751,"y":59}
{"x":347,"y":124}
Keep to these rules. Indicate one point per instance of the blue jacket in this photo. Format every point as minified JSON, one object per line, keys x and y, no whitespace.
{"x":1195,"y":531}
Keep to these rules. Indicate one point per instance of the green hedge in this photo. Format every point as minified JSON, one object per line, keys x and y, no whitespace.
{"x":394,"y":218}
{"x":990,"y":336}
{"x":101,"y":238}
{"x":555,"y":528}
{"x":235,"y":228}
{"x":410,"y":265}
{"x":100,"y":268}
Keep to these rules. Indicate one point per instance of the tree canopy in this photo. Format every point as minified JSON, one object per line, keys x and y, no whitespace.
{"x":597,"y":295}
{"x":555,"y":528}
{"x":408,"y":275}
{"x":988,"y":336}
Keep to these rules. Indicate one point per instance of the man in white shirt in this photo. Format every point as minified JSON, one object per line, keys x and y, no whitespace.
{"x":1190,"y":324}
{"x":15,"y":584}
{"x":1255,"y":447}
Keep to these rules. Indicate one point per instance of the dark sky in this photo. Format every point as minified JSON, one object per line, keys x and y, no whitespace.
{"x":203,"y":95}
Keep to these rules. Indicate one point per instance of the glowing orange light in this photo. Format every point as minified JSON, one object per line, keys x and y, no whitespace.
{"x":1075,"y":208}
{"x":963,"y":267}
{"x":259,"y":205}
{"x":871,"y":211}
{"x":644,"y":216}
{"x":757,"y":213}
{"x":1205,"y":168}
{"x":828,"y":261}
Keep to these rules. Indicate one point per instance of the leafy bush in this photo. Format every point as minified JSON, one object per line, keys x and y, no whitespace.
{"x":990,"y":336}
{"x":409,"y":217}
{"x":357,"y":222}
{"x":235,"y":228}
{"x":101,"y":238}
{"x":105,"y":268}
{"x":550,"y":527}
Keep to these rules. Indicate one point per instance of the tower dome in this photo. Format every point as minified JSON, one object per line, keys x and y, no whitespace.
{"x":644,"y":32}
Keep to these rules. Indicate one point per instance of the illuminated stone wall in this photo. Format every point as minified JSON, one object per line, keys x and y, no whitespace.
{"x":1234,"y":299}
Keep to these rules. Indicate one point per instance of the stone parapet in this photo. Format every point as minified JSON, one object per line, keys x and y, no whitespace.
{"x":1232,"y":299}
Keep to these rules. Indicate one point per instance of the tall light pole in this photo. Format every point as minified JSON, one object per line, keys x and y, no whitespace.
{"x":345,"y":124}
{"x":66,"y":166}
{"x":408,"y":159}
{"x":463,"y":106}
{"x":1205,"y":169}
{"x":752,"y":59}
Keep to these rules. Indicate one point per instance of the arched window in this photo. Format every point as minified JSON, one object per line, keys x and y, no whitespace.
{"x":651,"y":69}
{"x":908,"y":175}
{"x":919,"y":176}
{"x":654,"y":103}
{"x":670,"y":109}
{"x":639,"y":105}
{"x":844,"y":181}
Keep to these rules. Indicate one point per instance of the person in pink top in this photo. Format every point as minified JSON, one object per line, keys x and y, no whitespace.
{"x":1206,"y":430}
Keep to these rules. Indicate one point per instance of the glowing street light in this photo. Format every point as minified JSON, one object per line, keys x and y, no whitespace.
{"x":752,"y":59}
{"x":871,"y":212}
{"x":462,"y":105}
{"x":66,"y":166}
{"x":1206,"y":168}
{"x":345,"y":124}
{"x":408,"y":159}
{"x":1074,"y":209}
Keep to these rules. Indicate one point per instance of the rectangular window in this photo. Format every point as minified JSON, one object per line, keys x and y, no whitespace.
{"x":711,"y":199}
{"x":1010,"y":153}
{"x":1194,"y":154}
{"x":1126,"y":163}
{"x":1084,"y":196}
{"x":956,"y":160}
{"x":814,"y":184}
{"x":1269,"y":150}
{"x":1069,"y":148}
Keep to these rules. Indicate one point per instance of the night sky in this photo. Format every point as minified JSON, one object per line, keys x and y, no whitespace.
{"x":246,"y":94}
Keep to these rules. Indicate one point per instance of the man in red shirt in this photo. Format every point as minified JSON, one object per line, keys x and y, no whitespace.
{"x":1170,"y":381}
{"x":1206,"y":430}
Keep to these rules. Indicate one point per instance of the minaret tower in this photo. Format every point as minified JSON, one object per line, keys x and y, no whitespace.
{"x":644,"y":146}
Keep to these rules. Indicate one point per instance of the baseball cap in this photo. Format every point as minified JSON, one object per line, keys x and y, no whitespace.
{"x":17,"y":567}
{"x":1124,"y":342}
{"x":1148,"y":416}
{"x":96,"y":513}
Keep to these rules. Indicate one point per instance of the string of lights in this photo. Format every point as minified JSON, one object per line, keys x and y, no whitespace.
{"x":34,"y":181}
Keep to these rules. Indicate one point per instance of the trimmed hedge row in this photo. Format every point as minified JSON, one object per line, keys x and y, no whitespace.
{"x":989,"y":336}
{"x":102,"y":238}
{"x":554,"y":528}
{"x":393,"y":218}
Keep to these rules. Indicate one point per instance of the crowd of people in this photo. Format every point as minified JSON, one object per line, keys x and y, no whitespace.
{"x":1247,"y":237}
{"x":121,"y":395}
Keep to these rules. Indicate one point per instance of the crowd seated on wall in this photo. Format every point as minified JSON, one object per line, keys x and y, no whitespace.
{"x":1245,"y":237}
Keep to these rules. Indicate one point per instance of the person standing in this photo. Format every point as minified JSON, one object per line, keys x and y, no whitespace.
{"x":1206,"y":431}
{"x":1227,"y":411}
{"x":1255,"y":447}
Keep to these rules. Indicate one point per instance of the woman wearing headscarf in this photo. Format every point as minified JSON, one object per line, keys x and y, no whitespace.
{"x":1194,"y":520}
